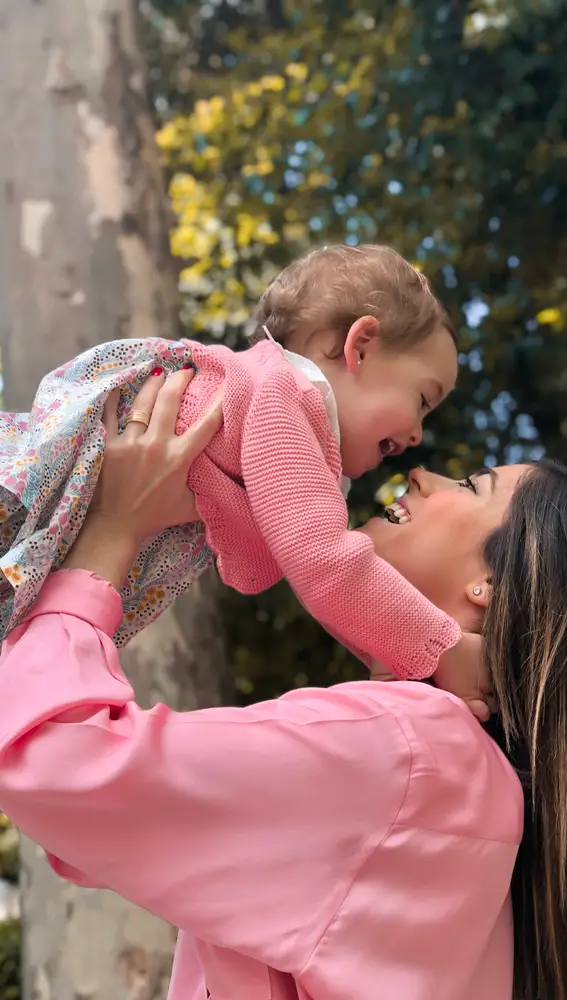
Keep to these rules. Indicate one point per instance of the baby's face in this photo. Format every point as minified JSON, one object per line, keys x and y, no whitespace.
{"x":383,"y":398}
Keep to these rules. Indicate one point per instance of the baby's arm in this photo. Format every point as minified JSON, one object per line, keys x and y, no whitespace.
{"x":300,"y":511}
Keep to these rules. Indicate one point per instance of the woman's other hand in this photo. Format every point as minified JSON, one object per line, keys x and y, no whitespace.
{"x":142,"y":487}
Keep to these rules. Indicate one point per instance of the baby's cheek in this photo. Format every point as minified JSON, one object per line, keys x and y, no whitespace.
{"x":412,"y":420}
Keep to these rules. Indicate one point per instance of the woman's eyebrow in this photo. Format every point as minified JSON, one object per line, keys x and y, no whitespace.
{"x":487,"y":472}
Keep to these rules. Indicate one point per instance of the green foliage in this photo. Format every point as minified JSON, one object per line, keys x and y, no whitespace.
{"x":9,"y":844}
{"x":10,"y":983}
{"x":439,"y":128}
{"x":10,"y":929}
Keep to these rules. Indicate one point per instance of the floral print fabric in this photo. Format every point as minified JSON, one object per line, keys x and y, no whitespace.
{"x":50,"y":460}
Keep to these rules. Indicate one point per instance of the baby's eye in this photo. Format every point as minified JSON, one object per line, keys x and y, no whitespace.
{"x":469,"y":484}
{"x":425,"y":405}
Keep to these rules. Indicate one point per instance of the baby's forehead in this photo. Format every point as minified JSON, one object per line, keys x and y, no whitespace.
{"x":439,"y":355}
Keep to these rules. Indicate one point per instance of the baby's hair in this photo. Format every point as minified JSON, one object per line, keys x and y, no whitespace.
{"x":331,"y":288}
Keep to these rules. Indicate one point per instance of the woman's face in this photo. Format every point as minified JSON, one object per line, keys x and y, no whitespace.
{"x":438,"y":544}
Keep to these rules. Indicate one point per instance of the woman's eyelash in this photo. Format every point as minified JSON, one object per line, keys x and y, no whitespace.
{"x":469,"y":484}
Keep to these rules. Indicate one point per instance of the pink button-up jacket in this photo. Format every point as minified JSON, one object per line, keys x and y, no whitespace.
{"x":356,"y":842}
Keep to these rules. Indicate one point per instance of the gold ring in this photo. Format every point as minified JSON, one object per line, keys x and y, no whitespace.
{"x":139,"y":417}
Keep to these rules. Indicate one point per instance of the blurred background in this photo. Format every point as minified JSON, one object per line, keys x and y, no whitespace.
{"x":160,"y":162}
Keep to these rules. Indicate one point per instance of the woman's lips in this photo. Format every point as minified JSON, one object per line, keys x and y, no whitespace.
{"x":397,"y":512}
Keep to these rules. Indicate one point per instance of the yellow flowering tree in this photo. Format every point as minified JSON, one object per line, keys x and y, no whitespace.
{"x":417,"y":124}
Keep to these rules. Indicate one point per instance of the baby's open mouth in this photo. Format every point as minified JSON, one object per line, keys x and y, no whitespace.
{"x":388,"y":447}
{"x":397,"y":514}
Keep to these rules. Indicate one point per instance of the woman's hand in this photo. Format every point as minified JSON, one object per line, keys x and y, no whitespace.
{"x":143,"y":482}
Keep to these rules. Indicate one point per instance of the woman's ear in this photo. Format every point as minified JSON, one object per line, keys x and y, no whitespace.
{"x":478,"y":593}
{"x":361,"y":334}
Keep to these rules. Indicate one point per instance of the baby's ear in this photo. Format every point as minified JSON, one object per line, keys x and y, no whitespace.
{"x":478,"y":592}
{"x":362,"y":333}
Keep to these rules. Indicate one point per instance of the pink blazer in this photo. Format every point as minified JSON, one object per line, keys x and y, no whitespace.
{"x":356,"y":842}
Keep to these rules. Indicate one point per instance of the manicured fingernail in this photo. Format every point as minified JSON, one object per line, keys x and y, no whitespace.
{"x":185,"y":367}
{"x":157,"y":371}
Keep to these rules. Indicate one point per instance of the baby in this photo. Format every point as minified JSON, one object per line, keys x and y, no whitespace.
{"x":351,"y":351}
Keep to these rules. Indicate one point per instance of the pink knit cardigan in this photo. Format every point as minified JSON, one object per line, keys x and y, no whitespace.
{"x":268,"y":490}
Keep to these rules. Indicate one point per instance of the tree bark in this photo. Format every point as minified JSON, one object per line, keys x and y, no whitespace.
{"x":85,"y":258}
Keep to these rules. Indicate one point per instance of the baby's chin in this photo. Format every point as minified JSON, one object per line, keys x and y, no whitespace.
{"x":355,"y":468}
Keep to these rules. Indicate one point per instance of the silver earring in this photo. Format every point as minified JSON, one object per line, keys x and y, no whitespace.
{"x":477,"y":591}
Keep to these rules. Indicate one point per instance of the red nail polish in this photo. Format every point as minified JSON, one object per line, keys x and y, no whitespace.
{"x":186,"y":367}
{"x":157,"y":371}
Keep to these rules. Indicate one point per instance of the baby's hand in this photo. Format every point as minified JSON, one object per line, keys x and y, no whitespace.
{"x":461,"y":671}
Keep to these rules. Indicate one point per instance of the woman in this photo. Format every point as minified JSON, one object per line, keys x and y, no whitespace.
{"x":353,"y":842}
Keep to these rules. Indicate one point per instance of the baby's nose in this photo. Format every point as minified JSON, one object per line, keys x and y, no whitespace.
{"x":416,"y":436}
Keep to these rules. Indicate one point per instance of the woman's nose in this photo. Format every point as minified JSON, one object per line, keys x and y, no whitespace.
{"x":425,"y":483}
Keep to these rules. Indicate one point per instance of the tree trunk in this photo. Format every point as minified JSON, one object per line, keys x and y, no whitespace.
{"x":84,"y":259}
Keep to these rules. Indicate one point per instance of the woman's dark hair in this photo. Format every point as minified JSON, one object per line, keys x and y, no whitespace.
{"x":526,"y":651}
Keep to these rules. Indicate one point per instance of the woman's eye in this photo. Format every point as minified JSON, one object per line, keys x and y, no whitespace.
{"x":468,"y":484}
